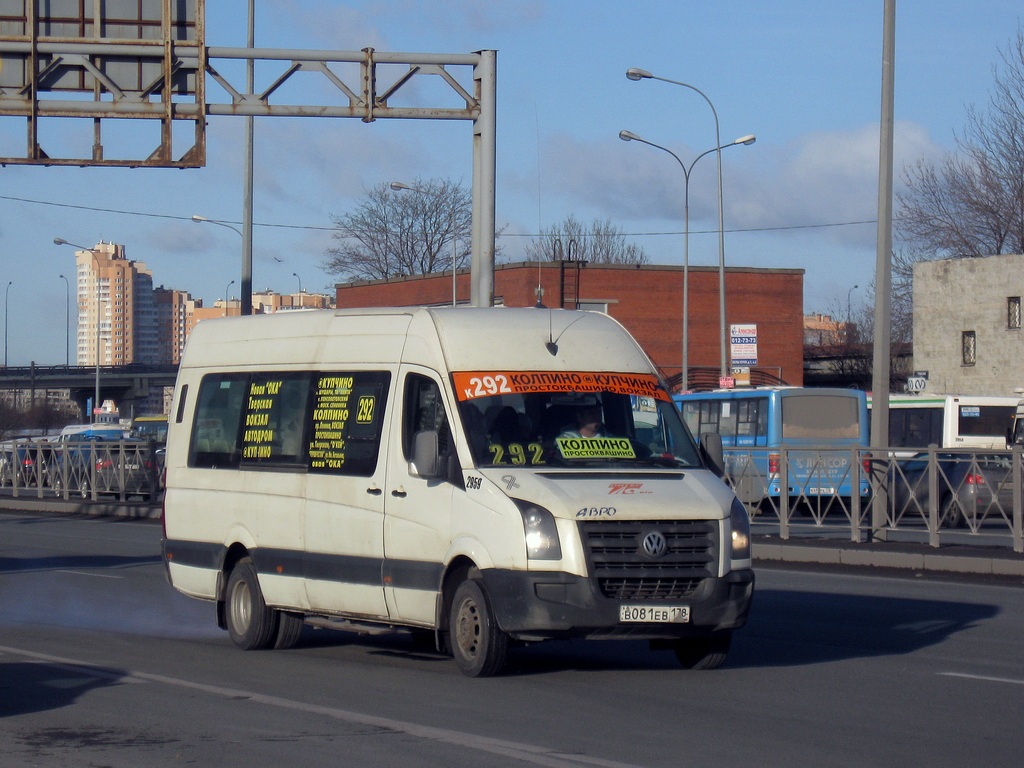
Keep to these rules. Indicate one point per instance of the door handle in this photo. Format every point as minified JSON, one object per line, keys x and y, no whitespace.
{"x":399,"y":493}
{"x":374,"y":491}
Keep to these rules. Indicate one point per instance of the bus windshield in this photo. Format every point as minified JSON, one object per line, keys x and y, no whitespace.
{"x":593,"y":420}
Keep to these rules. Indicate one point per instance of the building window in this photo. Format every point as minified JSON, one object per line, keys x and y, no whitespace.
{"x":968,"y":348}
{"x":1013,"y":312}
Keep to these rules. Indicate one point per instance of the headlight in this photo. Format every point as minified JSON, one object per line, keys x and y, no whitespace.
{"x":541,"y":535}
{"x":740,"y":522}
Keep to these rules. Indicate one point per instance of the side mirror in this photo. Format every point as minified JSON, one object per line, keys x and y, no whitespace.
{"x":426,"y":457}
{"x":714,"y":456}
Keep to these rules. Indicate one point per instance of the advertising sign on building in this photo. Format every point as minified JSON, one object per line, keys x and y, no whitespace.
{"x":743,"y":349}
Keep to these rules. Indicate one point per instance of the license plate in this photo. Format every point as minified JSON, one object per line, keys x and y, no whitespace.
{"x":821,"y":491}
{"x":648,"y":614}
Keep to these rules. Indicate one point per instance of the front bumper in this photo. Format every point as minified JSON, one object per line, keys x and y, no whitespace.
{"x":531,"y":605}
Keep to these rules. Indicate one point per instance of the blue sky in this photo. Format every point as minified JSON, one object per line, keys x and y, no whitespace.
{"x":803,"y":75}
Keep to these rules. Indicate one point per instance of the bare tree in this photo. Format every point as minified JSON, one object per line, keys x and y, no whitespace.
{"x":602,"y":243}
{"x":972,"y":204}
{"x":413,"y":231}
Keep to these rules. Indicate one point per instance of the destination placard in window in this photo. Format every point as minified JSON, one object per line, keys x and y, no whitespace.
{"x":331,"y":414}
{"x":260,"y":431}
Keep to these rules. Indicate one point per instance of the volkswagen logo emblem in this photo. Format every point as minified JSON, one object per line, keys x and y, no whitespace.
{"x":654,"y":544}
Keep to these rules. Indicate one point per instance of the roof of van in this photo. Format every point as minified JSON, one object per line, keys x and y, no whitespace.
{"x":458,"y":338}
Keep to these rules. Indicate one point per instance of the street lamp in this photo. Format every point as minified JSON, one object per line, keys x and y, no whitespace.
{"x":96,"y":264}
{"x":226,"y":289}
{"x":630,"y":136}
{"x":642,"y":74}
{"x":246,"y":263}
{"x":203,"y":220}
{"x":296,"y":276}
{"x":7,"y":294}
{"x":67,"y":322}
{"x":398,"y":186}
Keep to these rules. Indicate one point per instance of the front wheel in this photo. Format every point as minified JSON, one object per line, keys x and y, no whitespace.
{"x":478,"y":644}
{"x":251,"y":623}
{"x":703,"y":652}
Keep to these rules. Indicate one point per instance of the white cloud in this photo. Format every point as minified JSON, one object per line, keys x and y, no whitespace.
{"x":824,"y":178}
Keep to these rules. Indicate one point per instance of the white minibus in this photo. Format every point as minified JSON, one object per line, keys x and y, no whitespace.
{"x":483,"y":475}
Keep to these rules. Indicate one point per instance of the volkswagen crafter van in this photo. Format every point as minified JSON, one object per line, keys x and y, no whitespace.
{"x":426,"y":469}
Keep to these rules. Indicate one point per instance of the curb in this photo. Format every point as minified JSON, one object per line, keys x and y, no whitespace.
{"x":900,"y":556}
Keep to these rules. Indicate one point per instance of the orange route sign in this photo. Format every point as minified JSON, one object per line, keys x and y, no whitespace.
{"x":470,"y":385}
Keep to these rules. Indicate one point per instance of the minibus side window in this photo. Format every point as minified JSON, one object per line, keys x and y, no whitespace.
{"x":215,"y":431}
{"x":346,"y":421}
{"x":275,"y":420}
{"x":424,"y":410}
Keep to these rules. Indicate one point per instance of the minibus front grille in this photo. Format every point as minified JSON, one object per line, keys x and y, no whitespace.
{"x":678,"y":556}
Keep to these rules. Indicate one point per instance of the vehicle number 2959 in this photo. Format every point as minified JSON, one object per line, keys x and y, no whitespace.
{"x":647,"y":614}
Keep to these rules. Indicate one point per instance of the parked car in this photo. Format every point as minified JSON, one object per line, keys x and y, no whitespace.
{"x":970,"y":486}
{"x":23,"y":463}
{"x":129,"y":467}
{"x":112,"y":466}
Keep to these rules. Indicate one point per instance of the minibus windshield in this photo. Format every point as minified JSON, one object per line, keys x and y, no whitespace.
{"x":582,"y":419}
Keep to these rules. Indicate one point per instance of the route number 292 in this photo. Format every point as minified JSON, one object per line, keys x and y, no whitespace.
{"x":488,"y":385}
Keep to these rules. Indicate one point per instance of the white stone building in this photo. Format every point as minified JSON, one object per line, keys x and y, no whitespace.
{"x":967,"y":324}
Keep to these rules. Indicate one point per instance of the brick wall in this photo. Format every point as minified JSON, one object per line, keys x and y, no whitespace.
{"x":647,"y":300}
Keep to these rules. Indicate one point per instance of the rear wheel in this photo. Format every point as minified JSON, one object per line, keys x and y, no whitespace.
{"x":478,"y":644}
{"x":251,"y":624}
{"x":951,"y":515}
{"x":289,"y":627}
{"x":703,"y":652}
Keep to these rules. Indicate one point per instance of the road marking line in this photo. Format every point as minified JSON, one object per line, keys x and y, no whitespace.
{"x":983,"y":677}
{"x":86,"y":573}
{"x":527,"y":753}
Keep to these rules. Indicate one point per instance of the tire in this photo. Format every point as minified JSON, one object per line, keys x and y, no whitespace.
{"x":82,"y":488}
{"x":703,"y":652}
{"x":478,"y":644}
{"x":251,"y":624}
{"x":951,"y":516}
{"x":289,"y":628}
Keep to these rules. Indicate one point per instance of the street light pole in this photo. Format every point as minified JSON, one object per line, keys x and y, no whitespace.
{"x":96,"y":266}
{"x":296,"y":276}
{"x":226,"y":289}
{"x":642,"y":74}
{"x":67,"y":322}
{"x":849,"y":293}
{"x":7,"y":294}
{"x":746,"y":140}
{"x":204,"y":220}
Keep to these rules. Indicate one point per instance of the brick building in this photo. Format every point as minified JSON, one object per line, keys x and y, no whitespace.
{"x":646,"y":299}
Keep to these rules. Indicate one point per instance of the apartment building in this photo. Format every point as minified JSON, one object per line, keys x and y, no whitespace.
{"x":116,"y":311}
{"x":175,"y":313}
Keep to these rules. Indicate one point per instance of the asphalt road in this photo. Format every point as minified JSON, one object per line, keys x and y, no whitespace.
{"x":103,"y":664}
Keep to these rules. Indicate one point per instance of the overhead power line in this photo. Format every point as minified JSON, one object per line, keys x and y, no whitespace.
{"x":313,"y":227}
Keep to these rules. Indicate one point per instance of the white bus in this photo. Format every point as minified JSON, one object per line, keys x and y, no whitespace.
{"x":949,"y":421}
{"x":483,"y":475}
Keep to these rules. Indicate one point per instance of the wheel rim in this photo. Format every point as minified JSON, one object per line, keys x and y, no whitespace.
{"x":467,"y":628}
{"x":241,"y":607}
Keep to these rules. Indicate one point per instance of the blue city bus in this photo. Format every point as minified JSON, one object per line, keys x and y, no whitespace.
{"x":817,"y":428}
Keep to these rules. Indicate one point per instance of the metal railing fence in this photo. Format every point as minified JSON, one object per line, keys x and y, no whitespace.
{"x":86,"y":470}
